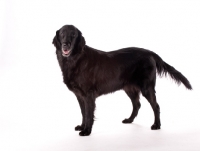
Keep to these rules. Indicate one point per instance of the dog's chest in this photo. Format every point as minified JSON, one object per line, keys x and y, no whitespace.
{"x":74,"y":81}
{"x":70,"y":79}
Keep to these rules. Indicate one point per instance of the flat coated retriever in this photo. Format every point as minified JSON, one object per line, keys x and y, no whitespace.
{"x":89,"y":73}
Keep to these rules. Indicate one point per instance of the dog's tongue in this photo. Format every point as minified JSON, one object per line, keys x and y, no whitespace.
{"x":66,"y":52}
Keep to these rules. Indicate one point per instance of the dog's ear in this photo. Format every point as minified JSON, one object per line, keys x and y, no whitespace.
{"x":56,"y":40}
{"x":81,"y":41}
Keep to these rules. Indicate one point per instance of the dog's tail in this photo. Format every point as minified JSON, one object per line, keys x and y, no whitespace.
{"x":163,"y":68}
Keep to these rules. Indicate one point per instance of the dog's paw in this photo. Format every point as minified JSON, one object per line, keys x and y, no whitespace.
{"x":79,"y":128}
{"x":127,"y":121}
{"x":155,"y":126}
{"x":85,"y":132}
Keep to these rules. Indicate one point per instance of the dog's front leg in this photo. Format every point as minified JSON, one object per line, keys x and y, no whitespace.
{"x":89,"y":103}
{"x":82,"y":106}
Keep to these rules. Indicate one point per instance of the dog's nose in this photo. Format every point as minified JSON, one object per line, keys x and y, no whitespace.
{"x":64,"y":45}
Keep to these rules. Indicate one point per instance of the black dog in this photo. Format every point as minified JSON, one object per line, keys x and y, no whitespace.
{"x":90,"y":73}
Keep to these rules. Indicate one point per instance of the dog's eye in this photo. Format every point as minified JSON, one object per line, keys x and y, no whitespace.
{"x":73,"y":35}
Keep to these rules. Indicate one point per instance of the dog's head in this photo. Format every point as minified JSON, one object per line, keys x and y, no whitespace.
{"x":68,"y":40}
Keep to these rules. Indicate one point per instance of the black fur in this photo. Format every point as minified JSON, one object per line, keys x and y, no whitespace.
{"x":90,"y":73}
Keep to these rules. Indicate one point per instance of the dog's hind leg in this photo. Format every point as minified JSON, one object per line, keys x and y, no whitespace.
{"x":149,"y":94}
{"x":133,"y":94}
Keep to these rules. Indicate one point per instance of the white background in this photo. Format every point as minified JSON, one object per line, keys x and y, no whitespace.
{"x":38,"y":113}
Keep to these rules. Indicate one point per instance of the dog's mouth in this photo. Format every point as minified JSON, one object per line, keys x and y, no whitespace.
{"x":66,"y":52}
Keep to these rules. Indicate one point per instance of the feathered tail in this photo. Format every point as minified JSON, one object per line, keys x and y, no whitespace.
{"x":163,"y":68}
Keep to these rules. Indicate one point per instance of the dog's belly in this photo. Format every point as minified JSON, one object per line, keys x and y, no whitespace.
{"x":108,"y":86}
